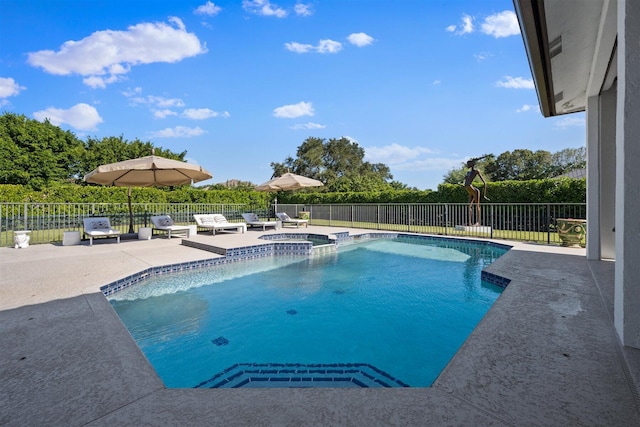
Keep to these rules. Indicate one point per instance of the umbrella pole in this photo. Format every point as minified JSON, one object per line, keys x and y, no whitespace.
{"x":130,"y":214}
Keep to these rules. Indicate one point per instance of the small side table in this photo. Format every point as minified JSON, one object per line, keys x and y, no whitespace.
{"x":21,"y":238}
{"x":193,"y":230}
{"x":144,"y":233}
{"x":70,"y":238}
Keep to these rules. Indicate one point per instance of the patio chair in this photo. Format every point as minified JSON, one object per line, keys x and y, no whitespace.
{"x":99,"y":227}
{"x":218,"y":222}
{"x":253,"y":221}
{"x":165,"y":223}
{"x":282,"y":216}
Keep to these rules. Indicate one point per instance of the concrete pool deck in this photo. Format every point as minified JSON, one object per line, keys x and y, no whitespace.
{"x":545,"y":354}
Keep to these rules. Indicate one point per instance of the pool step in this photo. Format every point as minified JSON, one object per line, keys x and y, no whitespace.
{"x":300,"y":375}
{"x":331,"y":248}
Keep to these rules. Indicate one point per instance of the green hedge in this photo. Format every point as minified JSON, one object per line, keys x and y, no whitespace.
{"x":71,"y":193}
{"x":565,"y":190}
{"x":535,"y":191}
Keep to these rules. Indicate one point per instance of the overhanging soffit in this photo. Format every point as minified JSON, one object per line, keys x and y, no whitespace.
{"x":570,"y":45}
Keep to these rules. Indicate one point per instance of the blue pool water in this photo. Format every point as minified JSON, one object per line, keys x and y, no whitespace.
{"x":380,"y":313}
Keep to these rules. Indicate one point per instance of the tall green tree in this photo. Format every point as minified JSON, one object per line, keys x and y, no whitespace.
{"x":520,"y":165}
{"x":37,"y":153}
{"x":523,"y":165}
{"x":339,"y":164}
{"x":568,"y":159}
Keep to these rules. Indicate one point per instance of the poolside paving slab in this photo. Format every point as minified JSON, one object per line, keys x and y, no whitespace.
{"x":545,"y":354}
{"x":300,"y":407}
{"x":68,"y":362}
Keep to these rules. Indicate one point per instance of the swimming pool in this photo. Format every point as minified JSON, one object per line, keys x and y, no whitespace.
{"x":379,"y":313}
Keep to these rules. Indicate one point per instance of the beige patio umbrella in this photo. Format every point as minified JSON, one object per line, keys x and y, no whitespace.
{"x":146,"y":171}
{"x":288,"y":181}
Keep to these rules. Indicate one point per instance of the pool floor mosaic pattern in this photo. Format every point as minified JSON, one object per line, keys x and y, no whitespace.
{"x":299,"y":375}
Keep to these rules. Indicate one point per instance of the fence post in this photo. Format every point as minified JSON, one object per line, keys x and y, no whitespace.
{"x":25,"y":217}
{"x":491,"y":221}
{"x":446,"y":218}
{"x":378,"y":217}
{"x":352,"y":215}
{"x":548,"y":224}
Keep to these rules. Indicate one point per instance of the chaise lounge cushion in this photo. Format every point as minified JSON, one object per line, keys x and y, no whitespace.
{"x":99,"y":227}
{"x":165,"y":223}
{"x":286,"y":219}
{"x":218,"y":222}
{"x":254,"y":221}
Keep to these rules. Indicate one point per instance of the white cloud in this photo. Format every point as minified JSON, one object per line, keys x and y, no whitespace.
{"x":178,"y":132}
{"x":308,"y":125}
{"x":503,"y":24}
{"x":430,"y":164}
{"x":436,"y":82}
{"x":298,"y":47}
{"x":567,"y":122}
{"x":394,"y":154}
{"x":353,"y":140}
{"x":101,"y":82}
{"x":132,"y":92}
{"x":208,"y":9}
{"x":202,"y":114}
{"x":263,"y":8}
{"x":528,"y":107}
{"x":360,"y":39}
{"x":303,"y":9}
{"x":324,"y":46}
{"x":329,"y":46}
{"x":516,"y":83}
{"x":106,"y":56}
{"x":9,"y":87}
{"x":80,"y":116}
{"x":482,"y":55}
{"x":161,"y":114}
{"x":151,"y":100}
{"x":163,"y":107}
{"x":465,"y":27}
{"x":294,"y":110}
{"x":400,"y":157}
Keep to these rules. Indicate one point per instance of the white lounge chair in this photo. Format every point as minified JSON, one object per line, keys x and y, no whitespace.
{"x":218,"y":222}
{"x":253,"y":221}
{"x":282,"y":216}
{"x":99,"y":227}
{"x":165,"y":223}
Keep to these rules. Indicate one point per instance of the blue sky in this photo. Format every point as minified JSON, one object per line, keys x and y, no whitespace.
{"x":421,"y":85}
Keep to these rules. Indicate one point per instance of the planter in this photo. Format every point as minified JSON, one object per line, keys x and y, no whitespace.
{"x":304,"y":215}
{"x":572,"y":231}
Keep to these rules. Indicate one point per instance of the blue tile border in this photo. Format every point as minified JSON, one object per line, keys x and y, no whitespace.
{"x":494,"y":279}
{"x":275,"y":246}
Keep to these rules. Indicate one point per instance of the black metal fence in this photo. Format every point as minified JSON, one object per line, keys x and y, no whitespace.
{"x":534,"y":222}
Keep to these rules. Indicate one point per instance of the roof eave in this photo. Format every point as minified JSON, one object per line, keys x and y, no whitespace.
{"x":531,"y":18}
